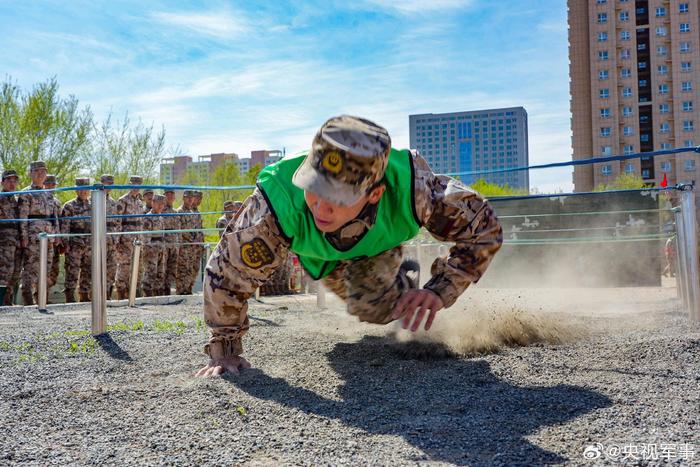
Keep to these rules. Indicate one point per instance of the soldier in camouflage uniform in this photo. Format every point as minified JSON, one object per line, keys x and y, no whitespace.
{"x":186,"y":272}
{"x":40,"y":208}
{"x":148,"y":202}
{"x":129,"y":204}
{"x":59,"y":245}
{"x":230,"y":210}
{"x":10,"y":252}
{"x":113,"y":225}
{"x":154,"y":249}
{"x":344,"y":208}
{"x":171,"y":249}
{"x":78,"y":250}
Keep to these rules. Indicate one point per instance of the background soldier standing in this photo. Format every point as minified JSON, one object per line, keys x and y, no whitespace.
{"x":148,"y":202}
{"x":130,"y":203}
{"x":41,"y":209}
{"x":59,"y":245}
{"x":113,"y":225}
{"x":171,"y":248}
{"x":78,"y":251}
{"x":230,"y":210}
{"x":186,"y":255}
{"x":153,"y":254}
{"x":10,"y":252}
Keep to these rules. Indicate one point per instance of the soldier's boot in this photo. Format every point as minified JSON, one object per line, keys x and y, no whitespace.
{"x":70,"y":295}
{"x":411,"y":281}
{"x":84,"y":297}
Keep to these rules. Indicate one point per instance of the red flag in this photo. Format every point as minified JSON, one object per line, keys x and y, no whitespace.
{"x":664,"y":182}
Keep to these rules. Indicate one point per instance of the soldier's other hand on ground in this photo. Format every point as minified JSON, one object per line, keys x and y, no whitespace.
{"x":417,"y":302}
{"x":219,"y":366}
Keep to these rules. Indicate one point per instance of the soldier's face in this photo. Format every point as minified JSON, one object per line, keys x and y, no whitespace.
{"x":38,"y":176}
{"x":157,"y":207}
{"x":148,"y":197}
{"x":329,"y":217}
{"x":134,"y":192}
{"x":187,"y":201}
{"x":196,"y":201}
{"x":170,"y":198}
{"x":9,"y":184}
{"x":83,"y":194}
{"x":49,"y":186}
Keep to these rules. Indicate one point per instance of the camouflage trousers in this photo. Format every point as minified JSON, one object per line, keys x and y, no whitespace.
{"x":78,"y":260}
{"x":30,"y":269}
{"x":370,"y":287}
{"x":171,"y":253}
{"x":154,"y":269}
{"x":55,"y":262}
{"x":9,"y":247}
{"x":188,"y":263}
{"x":124,"y":249}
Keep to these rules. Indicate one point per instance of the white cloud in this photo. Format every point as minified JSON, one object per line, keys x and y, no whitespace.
{"x":223,"y":24}
{"x":420,"y":6}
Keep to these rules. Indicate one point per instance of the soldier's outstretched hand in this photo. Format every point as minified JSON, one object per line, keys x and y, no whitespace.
{"x":219,"y":366}
{"x":417,"y":302}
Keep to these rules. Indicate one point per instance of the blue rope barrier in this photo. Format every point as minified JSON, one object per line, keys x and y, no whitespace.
{"x":129,"y":187}
{"x":595,"y":160}
{"x":114,"y":216}
{"x":583,"y":193}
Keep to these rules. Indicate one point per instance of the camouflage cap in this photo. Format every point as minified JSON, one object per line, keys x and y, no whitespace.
{"x":136,"y":180}
{"x":82,"y":181}
{"x":37,"y":165}
{"x":50,"y":180}
{"x":229,"y":204}
{"x":158,"y":198}
{"x":197,"y":194}
{"x":148,"y":191}
{"x":107,"y":179}
{"x":8,"y":174}
{"x":348,"y":156}
{"x":169,"y":190}
{"x":188,"y":193}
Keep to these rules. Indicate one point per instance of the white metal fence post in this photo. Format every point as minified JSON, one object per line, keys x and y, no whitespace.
{"x":99,"y":260}
{"x":134,"y":279}
{"x":43,"y":272}
{"x":691,"y":240}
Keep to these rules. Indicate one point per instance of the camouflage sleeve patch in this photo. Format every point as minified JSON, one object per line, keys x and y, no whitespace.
{"x":452,"y":212}
{"x":256,"y":254}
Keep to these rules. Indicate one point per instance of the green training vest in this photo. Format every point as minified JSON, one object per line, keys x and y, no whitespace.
{"x":396,"y":220}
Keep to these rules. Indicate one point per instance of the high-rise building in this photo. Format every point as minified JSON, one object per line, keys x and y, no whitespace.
{"x":634,"y":68}
{"x":174,"y":169}
{"x":473,"y":141}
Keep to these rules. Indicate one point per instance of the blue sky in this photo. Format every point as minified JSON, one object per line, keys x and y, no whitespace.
{"x":239,"y":76}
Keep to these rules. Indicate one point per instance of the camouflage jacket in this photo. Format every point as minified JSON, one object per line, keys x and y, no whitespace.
{"x":126,"y":205}
{"x":113,"y":224}
{"x":8,"y":210}
{"x":38,"y":206}
{"x":197,"y":224}
{"x":153,"y":221}
{"x":186,"y":222}
{"x":171,"y":223}
{"x":76,"y":208}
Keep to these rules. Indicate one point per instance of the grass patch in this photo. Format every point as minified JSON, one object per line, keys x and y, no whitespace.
{"x":89,"y":345}
{"x":124,"y":326}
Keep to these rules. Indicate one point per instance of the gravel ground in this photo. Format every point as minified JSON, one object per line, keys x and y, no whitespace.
{"x":328,"y":390}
